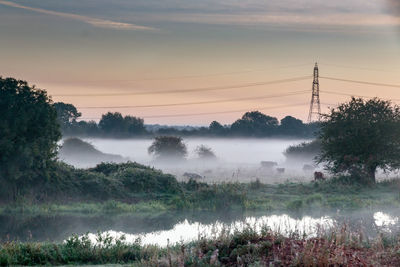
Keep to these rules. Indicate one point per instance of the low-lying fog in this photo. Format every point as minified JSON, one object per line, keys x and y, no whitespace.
{"x":237,"y":159}
{"x":230,"y":151}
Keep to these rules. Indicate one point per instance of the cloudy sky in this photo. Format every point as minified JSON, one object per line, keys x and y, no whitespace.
{"x":134,"y":56}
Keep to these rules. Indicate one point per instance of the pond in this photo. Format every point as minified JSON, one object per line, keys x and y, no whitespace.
{"x":184,"y":227}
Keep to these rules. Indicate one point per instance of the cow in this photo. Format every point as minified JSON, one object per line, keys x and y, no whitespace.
{"x":319,"y":176}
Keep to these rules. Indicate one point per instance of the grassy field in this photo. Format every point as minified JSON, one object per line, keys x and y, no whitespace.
{"x":245,"y":248}
{"x":331,"y":195}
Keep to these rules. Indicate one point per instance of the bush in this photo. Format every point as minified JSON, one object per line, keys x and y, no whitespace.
{"x":306,"y":151}
{"x":218,"y":197}
{"x":147,"y":180}
{"x":168,"y":148}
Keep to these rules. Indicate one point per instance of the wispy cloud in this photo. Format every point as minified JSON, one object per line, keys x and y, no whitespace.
{"x":319,"y":14}
{"x":336,"y":22}
{"x":90,"y":20}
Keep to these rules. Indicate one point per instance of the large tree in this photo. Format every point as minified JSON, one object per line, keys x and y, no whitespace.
{"x":168,"y":148}
{"x":28,"y":133}
{"x":291,"y":126}
{"x":67,"y":114}
{"x":360,"y":136}
{"x":255,"y":123}
{"x":216,"y":128}
{"x":114,"y":124}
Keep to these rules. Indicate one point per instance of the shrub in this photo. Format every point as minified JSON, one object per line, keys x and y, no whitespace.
{"x":168,"y":148}
{"x":306,"y":151}
{"x":147,"y":180}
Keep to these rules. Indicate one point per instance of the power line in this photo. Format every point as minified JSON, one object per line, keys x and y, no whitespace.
{"x":215,"y":88}
{"x":355,"y":67}
{"x":362,"y":82}
{"x":202,"y":102}
{"x":195,"y":76}
{"x":362,"y":96}
{"x":211,"y":113}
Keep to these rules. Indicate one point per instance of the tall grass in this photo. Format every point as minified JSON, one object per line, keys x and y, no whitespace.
{"x":242,"y":248}
{"x":338,"y":193}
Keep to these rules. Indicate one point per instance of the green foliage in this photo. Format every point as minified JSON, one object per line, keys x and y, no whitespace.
{"x":168,"y":148}
{"x":147,"y":180}
{"x":218,"y":197}
{"x":305,"y":151}
{"x":360,"y":136}
{"x":295,"y":205}
{"x":291,"y":126}
{"x":109,"y":168}
{"x":117,"y":126}
{"x":216,"y":128}
{"x":114,"y":124}
{"x":255,"y":123}
{"x":75,"y":250}
{"x":241,"y":248}
{"x":28,"y":135}
{"x":67,"y":114}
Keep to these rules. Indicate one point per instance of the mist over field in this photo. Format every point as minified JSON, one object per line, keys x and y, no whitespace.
{"x":237,"y":159}
{"x":231,"y":151}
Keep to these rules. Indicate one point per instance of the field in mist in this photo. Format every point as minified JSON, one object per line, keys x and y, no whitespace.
{"x":237,"y":159}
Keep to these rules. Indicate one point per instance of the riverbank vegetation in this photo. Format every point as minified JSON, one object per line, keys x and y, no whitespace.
{"x":247,"y":247}
{"x":131,"y":187}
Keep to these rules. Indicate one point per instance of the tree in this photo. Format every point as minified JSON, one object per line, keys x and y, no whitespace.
{"x":205,"y":152}
{"x":134,"y":126}
{"x":67,"y":114}
{"x":304,"y":153}
{"x":360,"y":136}
{"x":216,"y":128}
{"x":28,"y":133}
{"x":117,"y":125}
{"x":168,"y":148}
{"x":112,"y":123}
{"x":255,"y":123}
{"x":291,"y":126}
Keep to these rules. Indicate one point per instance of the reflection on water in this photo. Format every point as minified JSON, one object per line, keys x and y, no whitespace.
{"x":186,"y":231}
{"x":176,"y":227}
{"x":385,"y":220}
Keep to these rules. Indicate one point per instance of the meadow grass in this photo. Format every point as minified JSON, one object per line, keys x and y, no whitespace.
{"x":331,"y":195}
{"x":241,"y":248}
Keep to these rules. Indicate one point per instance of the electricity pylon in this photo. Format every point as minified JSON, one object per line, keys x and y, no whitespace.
{"x":315,"y":105}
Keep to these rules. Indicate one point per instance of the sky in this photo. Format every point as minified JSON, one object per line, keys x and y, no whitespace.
{"x":134,"y":56}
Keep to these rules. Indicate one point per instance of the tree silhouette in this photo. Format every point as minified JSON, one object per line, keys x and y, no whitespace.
{"x":360,"y":136}
{"x":255,"y":123}
{"x":67,"y":114}
{"x":114,"y":124}
{"x":168,"y":148}
{"x":28,"y":134}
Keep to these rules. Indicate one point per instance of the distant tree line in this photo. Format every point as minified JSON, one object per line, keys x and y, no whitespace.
{"x":114,"y":124}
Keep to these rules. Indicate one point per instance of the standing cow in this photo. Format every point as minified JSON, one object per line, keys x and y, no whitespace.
{"x":319,"y":176}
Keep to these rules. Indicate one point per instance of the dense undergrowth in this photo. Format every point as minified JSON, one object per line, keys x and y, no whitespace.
{"x":242,"y":248}
{"x":131,"y":187}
